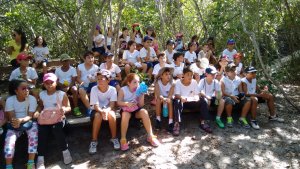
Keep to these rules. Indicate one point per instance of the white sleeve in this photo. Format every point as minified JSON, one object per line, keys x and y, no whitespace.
{"x":177,"y":88}
{"x":56,"y":72}
{"x":218,"y":86}
{"x":32,"y":104}
{"x":201,"y":85}
{"x":117,"y":69}
{"x":153,"y":52}
{"x":113,"y":97}
{"x":74,"y":72}
{"x":93,"y":96}
{"x":155,"y":70}
{"x":12,"y":76}
{"x":33,"y":74}
{"x":186,"y":55}
{"x":46,"y":50}
{"x":197,"y":91}
{"x":9,"y":105}
{"x":143,"y":53}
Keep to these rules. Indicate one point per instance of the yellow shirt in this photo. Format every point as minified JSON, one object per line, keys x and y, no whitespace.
{"x":16,"y":50}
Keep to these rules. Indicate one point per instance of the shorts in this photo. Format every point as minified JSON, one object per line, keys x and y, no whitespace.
{"x":100,"y":50}
{"x":132,"y":113}
{"x":41,"y":62}
{"x":89,"y":88}
{"x":229,"y":100}
{"x":113,"y":83}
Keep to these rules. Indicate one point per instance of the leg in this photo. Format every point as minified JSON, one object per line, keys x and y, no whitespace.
{"x":158,"y":107}
{"x":124,"y":124}
{"x":32,"y":141}
{"x":253,"y":107}
{"x":271,"y":106}
{"x":127,"y":69}
{"x":228,"y":109}
{"x":57,"y":130}
{"x":246,"y":108}
{"x":9,"y":147}
{"x":178,"y":107}
{"x":170,"y":108}
{"x":84,"y":98}
{"x":43,"y":133}
{"x":144,"y":67}
{"x":220,"y":107}
{"x":45,"y":68}
{"x":112,"y":120}
{"x":143,"y":114}
{"x":96,"y":126}
{"x":75,"y":96}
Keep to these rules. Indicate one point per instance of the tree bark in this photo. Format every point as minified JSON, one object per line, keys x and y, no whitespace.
{"x":201,"y":19}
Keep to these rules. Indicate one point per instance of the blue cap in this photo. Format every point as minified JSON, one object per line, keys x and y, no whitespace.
{"x":108,"y":54}
{"x":147,"y":38}
{"x":230,"y":42}
{"x":211,"y":70}
{"x":250,"y":69}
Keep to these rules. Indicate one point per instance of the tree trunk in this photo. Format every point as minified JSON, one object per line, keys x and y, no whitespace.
{"x":198,"y":10}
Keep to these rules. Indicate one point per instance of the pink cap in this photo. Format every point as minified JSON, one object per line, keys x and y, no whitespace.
{"x":50,"y":76}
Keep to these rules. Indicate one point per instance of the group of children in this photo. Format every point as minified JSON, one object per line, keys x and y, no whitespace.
{"x":182,"y":81}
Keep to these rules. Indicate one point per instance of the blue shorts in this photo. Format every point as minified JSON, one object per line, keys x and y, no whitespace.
{"x":114,"y":83}
{"x":89,"y":88}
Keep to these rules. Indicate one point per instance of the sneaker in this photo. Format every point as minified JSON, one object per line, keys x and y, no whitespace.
{"x":244,"y":123}
{"x":176,"y":129}
{"x":124,"y":145}
{"x":170,"y":127}
{"x":220,"y":123}
{"x":157,"y":125}
{"x":254,"y":124}
{"x":229,"y":122}
{"x":93,"y":147}
{"x":116,"y":143}
{"x":89,"y":112}
{"x":67,"y":157}
{"x":276,"y":118}
{"x":40,"y":163}
{"x":1,"y":130}
{"x":77,"y":112}
{"x":206,"y":128}
{"x":30,"y":166}
{"x":153,"y":141}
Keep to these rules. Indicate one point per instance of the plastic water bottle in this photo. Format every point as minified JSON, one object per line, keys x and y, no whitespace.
{"x":165,"y":110}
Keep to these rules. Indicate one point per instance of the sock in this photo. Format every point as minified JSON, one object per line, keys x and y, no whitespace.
{"x":170,"y":121}
{"x":273,"y":116}
{"x":202,"y":122}
{"x":229,"y":118}
{"x":158,"y":118}
{"x":40,"y":159}
{"x":30,"y":162}
{"x":218,"y":117}
{"x":9,"y":166}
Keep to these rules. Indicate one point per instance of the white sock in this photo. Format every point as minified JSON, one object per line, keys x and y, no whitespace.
{"x":40,"y":159}
{"x":158,"y":118}
{"x":170,"y":121}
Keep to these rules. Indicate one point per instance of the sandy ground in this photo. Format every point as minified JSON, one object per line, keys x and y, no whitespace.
{"x":275,"y":145}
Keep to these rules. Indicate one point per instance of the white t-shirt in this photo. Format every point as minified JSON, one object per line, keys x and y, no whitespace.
{"x":50,"y":101}
{"x":157,"y":67}
{"x":196,"y":69}
{"x":65,"y":76}
{"x":102,"y":99}
{"x":108,"y":41}
{"x":177,"y":69}
{"x":209,"y":89}
{"x":40,"y":52}
{"x":138,"y":39}
{"x":229,"y":54}
{"x":170,"y":55}
{"x":164,"y":89}
{"x":190,"y":92}
{"x":128,"y":95}
{"x":190,"y":56}
{"x":239,"y":68}
{"x":202,"y":54}
{"x":85,"y":73}
{"x":19,"y":108}
{"x":131,"y":57}
{"x":31,"y":74}
{"x":114,"y":70}
{"x":143,"y":53}
{"x":99,"y":38}
{"x":250,"y":86}
{"x":231,"y":86}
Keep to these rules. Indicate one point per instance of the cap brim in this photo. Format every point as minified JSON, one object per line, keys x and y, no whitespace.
{"x":49,"y":79}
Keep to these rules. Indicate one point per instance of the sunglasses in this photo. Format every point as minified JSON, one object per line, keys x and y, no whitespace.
{"x":24,"y":88}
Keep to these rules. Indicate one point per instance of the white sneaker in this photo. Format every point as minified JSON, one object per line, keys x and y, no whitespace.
{"x":276,"y":118}
{"x":93,"y":147}
{"x":40,"y":163}
{"x":67,"y":157}
{"x":116,"y":143}
{"x":254,"y":124}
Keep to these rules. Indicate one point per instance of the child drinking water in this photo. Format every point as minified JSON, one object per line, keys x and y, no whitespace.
{"x":132,"y":105}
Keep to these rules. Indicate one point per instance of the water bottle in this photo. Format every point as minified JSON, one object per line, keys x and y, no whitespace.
{"x":165,"y":110}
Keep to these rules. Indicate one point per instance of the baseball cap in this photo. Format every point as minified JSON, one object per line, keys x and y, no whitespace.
{"x":250,"y":69}
{"x":104,"y":72}
{"x":230,"y":67}
{"x":64,"y":57}
{"x":108,"y":54}
{"x":23,"y":56}
{"x":147,"y":38}
{"x":50,"y":76}
{"x":230,"y":42}
{"x":170,"y":41}
{"x":211,"y":70}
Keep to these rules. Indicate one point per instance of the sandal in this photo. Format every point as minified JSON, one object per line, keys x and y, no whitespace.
{"x":153,"y":141}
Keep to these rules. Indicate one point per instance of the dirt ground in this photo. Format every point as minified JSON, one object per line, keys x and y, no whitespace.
{"x":275,"y":145}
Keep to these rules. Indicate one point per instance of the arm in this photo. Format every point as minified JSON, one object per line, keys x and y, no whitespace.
{"x":157,"y":91}
{"x":118,"y":77}
{"x":245,"y":90}
{"x":66,"y":104}
{"x":79,"y":77}
{"x":171,"y":92}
